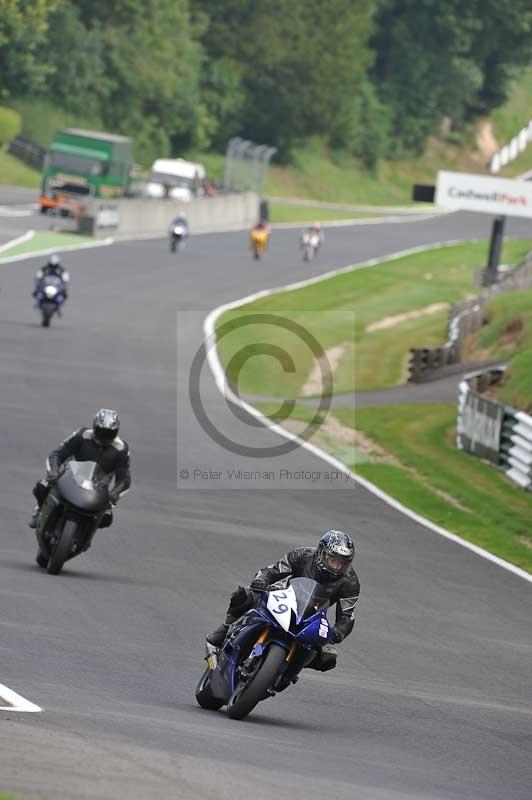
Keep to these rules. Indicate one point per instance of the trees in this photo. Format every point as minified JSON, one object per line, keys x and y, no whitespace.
{"x":371,"y":76}
{"x":296,"y":65}
{"x":23,"y":28}
{"x":437,"y":58}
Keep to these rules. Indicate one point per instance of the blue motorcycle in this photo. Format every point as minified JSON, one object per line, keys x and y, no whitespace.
{"x":266,"y":649}
{"x":50,"y":296}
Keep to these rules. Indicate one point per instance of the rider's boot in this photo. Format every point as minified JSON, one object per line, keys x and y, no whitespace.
{"x":217,"y":637}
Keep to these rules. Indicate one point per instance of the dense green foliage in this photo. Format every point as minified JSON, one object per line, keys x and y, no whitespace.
{"x":371,"y":77}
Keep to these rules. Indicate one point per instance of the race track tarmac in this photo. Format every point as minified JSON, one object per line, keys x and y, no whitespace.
{"x":431,"y":696}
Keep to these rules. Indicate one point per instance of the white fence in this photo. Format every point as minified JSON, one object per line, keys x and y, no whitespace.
{"x":512,"y":149}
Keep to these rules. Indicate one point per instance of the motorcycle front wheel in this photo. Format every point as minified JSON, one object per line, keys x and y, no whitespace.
{"x":63,"y":548}
{"x":246,"y":696}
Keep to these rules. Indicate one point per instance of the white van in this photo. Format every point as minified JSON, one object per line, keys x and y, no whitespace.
{"x":175,"y":178}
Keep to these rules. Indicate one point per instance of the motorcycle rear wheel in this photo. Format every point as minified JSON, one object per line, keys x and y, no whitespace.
{"x":243,"y":701}
{"x":63,"y":548}
{"x":204,"y":695}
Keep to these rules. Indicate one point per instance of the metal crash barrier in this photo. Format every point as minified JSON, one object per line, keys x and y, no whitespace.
{"x":493,"y":431}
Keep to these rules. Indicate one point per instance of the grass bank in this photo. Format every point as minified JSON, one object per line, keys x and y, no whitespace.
{"x":409,"y":452}
{"x":14,"y":173}
{"x":366,"y":320}
{"x":508,"y":335}
{"x":287,"y":212}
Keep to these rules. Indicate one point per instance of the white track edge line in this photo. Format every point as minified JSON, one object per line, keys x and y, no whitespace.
{"x":224,"y":388}
{"x":61,"y":249}
{"x":17,"y":702}
{"x":19,"y":240}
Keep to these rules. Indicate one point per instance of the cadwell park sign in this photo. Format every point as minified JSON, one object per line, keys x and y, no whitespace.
{"x":500,"y":196}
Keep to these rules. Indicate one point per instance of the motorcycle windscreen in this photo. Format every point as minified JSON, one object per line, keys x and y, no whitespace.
{"x":310,"y":597}
{"x":85,"y":485}
{"x":53,"y":280}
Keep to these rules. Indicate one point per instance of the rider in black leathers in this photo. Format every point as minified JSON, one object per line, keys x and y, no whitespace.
{"x":101,"y":444}
{"x":330,"y":565}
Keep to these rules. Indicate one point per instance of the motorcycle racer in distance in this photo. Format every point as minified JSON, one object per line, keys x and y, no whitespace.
{"x":259,"y":237}
{"x":52,"y":267}
{"x":178,"y":232}
{"x":311,"y":240}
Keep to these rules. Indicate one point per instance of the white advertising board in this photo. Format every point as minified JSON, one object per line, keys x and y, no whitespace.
{"x":503,"y":196}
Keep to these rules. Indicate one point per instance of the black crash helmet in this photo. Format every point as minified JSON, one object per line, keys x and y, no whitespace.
{"x":335,"y":553}
{"x":106,"y":426}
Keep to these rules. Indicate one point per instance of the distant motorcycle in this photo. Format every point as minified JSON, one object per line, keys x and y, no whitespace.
{"x":178,"y":236}
{"x":50,"y":297}
{"x":259,"y":242}
{"x":71,"y":514}
{"x":266,"y":649}
{"x":310,"y":243}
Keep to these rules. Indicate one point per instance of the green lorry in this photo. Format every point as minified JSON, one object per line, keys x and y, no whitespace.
{"x":82,"y":164}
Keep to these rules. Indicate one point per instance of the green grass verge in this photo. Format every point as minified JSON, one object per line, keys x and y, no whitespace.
{"x":44,"y":240}
{"x":508,"y":335}
{"x":417,"y":463}
{"x":337,"y":311}
{"x":494,"y":514}
{"x":14,"y":173}
{"x":281,"y":212}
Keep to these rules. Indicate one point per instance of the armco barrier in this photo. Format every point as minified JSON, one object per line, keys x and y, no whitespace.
{"x":27,"y":151}
{"x":494,"y":431}
{"x":138,"y":217}
{"x":465,"y":318}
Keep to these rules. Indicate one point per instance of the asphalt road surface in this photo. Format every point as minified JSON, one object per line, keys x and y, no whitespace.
{"x":431,"y":696}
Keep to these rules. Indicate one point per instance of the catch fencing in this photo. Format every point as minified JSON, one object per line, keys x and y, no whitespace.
{"x":493,"y":431}
{"x":465,"y":318}
{"x":246,"y":165}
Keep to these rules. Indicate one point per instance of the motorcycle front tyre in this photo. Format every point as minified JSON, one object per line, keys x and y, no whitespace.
{"x":244,"y":701}
{"x":204,"y":695}
{"x":63,"y":548}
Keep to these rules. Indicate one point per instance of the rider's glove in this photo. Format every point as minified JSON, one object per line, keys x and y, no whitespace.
{"x":259,"y":584}
{"x":241,"y":600}
{"x":239,"y":597}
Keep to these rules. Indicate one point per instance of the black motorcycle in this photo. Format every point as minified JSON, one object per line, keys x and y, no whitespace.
{"x":71,"y":514}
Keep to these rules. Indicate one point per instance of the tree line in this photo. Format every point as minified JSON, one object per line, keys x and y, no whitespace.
{"x":373,"y":77}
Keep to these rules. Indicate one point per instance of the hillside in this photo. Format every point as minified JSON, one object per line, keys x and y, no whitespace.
{"x":508,"y":335}
{"x":319,"y":173}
